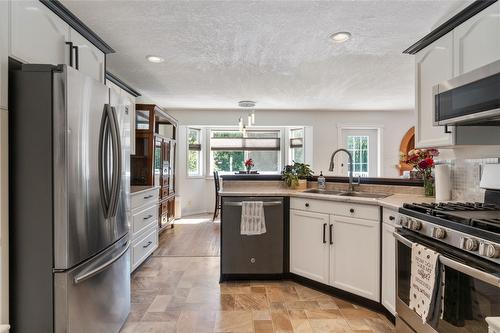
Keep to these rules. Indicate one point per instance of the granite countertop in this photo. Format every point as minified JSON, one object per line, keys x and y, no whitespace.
{"x":393,"y":201}
{"x":140,"y":189}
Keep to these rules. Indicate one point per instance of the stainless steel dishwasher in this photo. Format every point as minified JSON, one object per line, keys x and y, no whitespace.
{"x":256,"y":255}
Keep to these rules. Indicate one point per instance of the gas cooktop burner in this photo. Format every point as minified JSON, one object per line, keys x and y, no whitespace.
{"x":474,"y":215}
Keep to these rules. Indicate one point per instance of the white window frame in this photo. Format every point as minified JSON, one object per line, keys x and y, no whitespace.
{"x":201,"y":153}
{"x":289,"y":148}
{"x":380,"y":137}
{"x":283,"y":147}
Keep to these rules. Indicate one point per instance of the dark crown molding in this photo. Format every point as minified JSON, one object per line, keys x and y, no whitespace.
{"x":67,"y":16}
{"x":122,"y":84}
{"x":449,"y":25}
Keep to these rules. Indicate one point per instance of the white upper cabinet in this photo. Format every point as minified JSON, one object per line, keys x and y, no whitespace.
{"x":309,"y":245}
{"x":355,"y":256}
{"x":433,"y":65}
{"x":477,"y":41}
{"x":37,"y":35}
{"x":130,"y":105}
{"x":88,"y":58}
{"x":4,"y":44}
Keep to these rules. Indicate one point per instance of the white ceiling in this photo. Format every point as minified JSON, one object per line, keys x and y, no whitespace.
{"x":276,"y":53}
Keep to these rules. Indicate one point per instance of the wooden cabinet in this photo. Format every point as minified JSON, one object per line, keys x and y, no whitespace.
{"x":477,"y":41}
{"x":354,"y":256}
{"x":309,"y":249}
{"x":433,"y":65}
{"x":155,"y":157}
{"x":4,"y":44}
{"x":37,"y":35}
{"x":90,"y":59}
{"x":389,"y":260}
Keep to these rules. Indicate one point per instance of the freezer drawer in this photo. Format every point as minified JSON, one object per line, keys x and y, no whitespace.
{"x":257,"y":254}
{"x":94,"y":296}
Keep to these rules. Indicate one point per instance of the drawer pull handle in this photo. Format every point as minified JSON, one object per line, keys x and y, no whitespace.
{"x":392,"y":218}
{"x":324,"y":233}
{"x":307,"y":204}
{"x":148,"y":196}
{"x":147,"y":245}
{"x":351,"y":210}
{"x":147,"y":217}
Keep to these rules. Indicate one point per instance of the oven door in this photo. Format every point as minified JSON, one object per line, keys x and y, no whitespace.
{"x":469,"y":99}
{"x":472,"y":288}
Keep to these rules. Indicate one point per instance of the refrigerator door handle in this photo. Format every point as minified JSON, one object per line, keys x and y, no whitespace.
{"x":103,"y":161}
{"x":88,"y":274}
{"x":117,"y":161}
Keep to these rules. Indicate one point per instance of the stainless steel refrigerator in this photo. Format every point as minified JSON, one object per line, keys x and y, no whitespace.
{"x":69,"y":202}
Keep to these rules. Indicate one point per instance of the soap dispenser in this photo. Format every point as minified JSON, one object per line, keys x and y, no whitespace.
{"x":321,"y":181}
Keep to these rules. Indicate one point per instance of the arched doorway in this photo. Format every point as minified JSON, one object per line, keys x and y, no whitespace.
{"x":407,"y":144}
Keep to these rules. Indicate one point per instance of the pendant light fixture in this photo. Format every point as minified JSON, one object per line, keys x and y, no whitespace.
{"x":250,"y":118}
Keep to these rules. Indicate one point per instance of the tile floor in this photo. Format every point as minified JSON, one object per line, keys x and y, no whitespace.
{"x":183,"y":294}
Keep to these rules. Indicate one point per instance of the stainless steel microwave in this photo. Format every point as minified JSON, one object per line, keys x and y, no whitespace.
{"x":472,"y":98}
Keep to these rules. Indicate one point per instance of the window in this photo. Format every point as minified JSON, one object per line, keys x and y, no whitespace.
{"x":230,"y":149}
{"x":194,"y":165}
{"x":296,"y":145}
{"x":358,"y":146}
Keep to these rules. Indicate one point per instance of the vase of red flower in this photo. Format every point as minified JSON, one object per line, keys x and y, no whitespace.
{"x":249,"y":164}
{"x":422,"y":161}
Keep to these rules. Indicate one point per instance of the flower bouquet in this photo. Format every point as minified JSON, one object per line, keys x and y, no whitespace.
{"x":249,"y":164}
{"x":422,"y":161}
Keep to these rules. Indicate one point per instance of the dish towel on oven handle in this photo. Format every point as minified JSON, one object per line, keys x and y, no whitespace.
{"x":253,"y":221}
{"x":427,"y":284}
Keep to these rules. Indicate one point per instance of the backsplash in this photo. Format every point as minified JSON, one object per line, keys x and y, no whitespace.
{"x":465,"y":177}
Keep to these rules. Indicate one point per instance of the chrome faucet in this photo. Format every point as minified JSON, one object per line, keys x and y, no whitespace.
{"x":332,"y":165}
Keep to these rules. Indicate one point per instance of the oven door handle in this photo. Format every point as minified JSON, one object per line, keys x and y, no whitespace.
{"x":458,"y":266}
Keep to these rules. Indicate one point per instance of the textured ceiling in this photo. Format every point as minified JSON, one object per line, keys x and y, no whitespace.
{"x":274,"y":52}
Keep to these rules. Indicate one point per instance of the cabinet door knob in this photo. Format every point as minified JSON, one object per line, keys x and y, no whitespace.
{"x":351,"y":210}
{"x":392,"y":218}
{"x":307,"y":204}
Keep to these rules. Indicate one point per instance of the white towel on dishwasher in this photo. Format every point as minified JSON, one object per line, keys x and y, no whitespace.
{"x":253,"y":221}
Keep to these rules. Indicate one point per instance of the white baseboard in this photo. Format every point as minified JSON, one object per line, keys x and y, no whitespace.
{"x":4,"y":328}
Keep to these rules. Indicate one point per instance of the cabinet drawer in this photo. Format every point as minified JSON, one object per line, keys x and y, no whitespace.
{"x":144,"y":246}
{"x":143,"y":198}
{"x":358,"y":211}
{"x":312,"y":205}
{"x":390,"y":216}
{"x":164,"y":192}
{"x":144,"y":218}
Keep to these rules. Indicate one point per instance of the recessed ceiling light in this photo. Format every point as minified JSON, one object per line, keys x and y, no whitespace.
{"x":155,"y":59}
{"x":340,"y":37}
{"x":246,"y":104}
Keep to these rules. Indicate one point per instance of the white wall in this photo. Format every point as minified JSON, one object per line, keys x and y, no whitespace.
{"x":197,"y":193}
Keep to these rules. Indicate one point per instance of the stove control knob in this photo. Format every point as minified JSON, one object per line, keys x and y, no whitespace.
{"x":489,"y":250}
{"x":471,"y":244}
{"x":415,"y":225}
{"x":438,"y":233}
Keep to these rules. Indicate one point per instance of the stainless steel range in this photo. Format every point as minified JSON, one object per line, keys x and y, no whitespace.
{"x":467,"y":237}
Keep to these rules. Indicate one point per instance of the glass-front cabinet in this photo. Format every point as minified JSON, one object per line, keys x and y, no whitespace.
{"x":154,"y":161}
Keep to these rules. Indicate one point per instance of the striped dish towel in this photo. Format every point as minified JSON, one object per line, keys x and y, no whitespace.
{"x":252,"y":218}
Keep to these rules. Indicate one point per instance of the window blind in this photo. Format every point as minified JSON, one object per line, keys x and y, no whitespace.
{"x":254,"y":144}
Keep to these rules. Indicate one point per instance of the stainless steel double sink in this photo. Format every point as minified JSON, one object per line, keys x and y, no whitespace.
{"x":357,"y":194}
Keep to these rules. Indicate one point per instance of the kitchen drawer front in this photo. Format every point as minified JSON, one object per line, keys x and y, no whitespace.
{"x":312,"y":205}
{"x":144,"y":198}
{"x":144,"y":218}
{"x":390,"y":216}
{"x":144,"y":246}
{"x":368,"y":212}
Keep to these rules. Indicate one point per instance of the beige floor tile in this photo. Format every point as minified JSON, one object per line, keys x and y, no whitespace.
{"x":151,"y":327}
{"x":263,"y":326}
{"x":301,"y":326}
{"x":159,"y":303}
{"x":251,"y":302}
{"x":165,"y":316}
{"x":330,"y":326}
{"x":304,"y":305}
{"x":233,"y":321}
{"x":352,"y":313}
{"x":261,"y":315}
{"x":196,"y":321}
{"x":281,"y":322}
{"x":297,"y":314}
{"x":323,"y":314}
{"x":328,"y":305}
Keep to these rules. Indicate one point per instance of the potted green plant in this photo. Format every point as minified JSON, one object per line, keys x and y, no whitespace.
{"x":295,"y":176}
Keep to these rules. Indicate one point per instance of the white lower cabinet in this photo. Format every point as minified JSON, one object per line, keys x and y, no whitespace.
{"x":354,"y":256}
{"x":389,"y":261}
{"x":309,"y":249}
{"x":341,"y":251}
